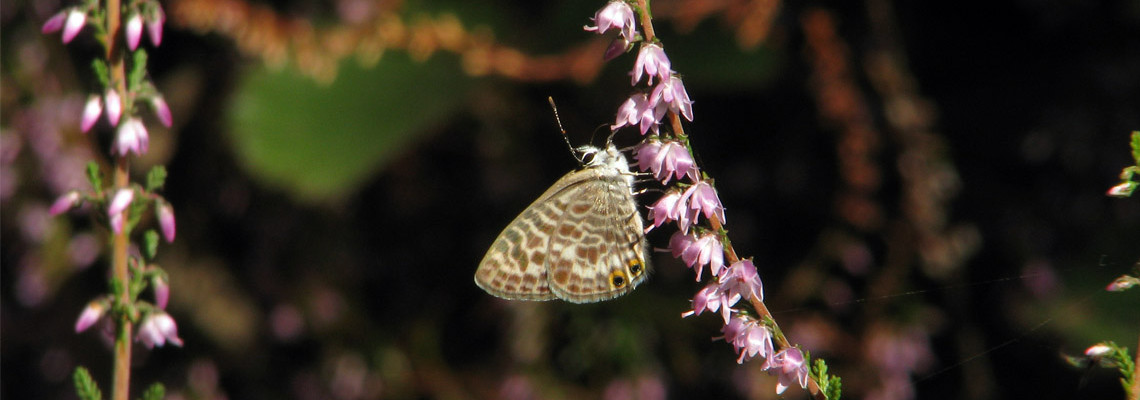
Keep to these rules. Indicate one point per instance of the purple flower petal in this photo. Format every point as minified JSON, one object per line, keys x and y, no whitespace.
{"x":134,"y":31}
{"x":75,"y":21}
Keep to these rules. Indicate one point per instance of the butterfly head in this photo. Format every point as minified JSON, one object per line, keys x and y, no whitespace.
{"x":609,"y":157}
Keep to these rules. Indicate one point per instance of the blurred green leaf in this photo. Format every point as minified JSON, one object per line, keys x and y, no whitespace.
{"x":155,"y":392}
{"x":320,"y":142}
{"x":1136,"y":146}
{"x":85,"y":386}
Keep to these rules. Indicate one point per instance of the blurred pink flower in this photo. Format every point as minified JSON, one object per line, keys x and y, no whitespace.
{"x":157,"y":329}
{"x":155,"y":18}
{"x":65,"y":202}
{"x":161,"y":291}
{"x":165,"y":214}
{"x":119,"y":203}
{"x":616,"y":14}
{"x":1098,"y":350}
{"x":131,"y":137}
{"x":134,"y":30}
{"x":70,"y":20}
{"x":1122,"y":283}
{"x":91,"y":112}
{"x":91,"y":314}
{"x":114,"y":106}
{"x":161,"y":110}
{"x":1123,"y":190}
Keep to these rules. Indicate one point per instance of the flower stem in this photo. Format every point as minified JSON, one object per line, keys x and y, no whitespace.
{"x":123,"y":325}
{"x":122,"y":378}
{"x":714,"y":221}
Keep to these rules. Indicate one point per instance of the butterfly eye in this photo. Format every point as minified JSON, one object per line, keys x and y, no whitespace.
{"x":617,"y":278}
{"x":589,"y":154}
{"x":635,"y":267}
{"x":589,"y":157}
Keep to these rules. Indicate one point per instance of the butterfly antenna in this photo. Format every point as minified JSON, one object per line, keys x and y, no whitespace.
{"x":610,"y":138}
{"x":563,"y":130}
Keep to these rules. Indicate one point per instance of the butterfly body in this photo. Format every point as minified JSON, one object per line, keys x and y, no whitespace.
{"x":581,"y":241}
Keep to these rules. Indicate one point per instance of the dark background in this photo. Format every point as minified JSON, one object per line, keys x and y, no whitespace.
{"x":368,"y":292}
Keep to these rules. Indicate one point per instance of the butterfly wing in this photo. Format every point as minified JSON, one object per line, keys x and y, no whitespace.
{"x":515,"y":267}
{"x":597,"y":250}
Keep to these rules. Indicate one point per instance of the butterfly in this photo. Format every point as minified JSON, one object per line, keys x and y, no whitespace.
{"x":582,"y":241}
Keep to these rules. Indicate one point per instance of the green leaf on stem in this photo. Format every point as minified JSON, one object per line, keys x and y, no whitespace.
{"x":156,"y":178}
{"x":138,"y":72}
{"x":135,"y":211}
{"x":102,"y":72}
{"x":155,"y":392}
{"x":117,"y":288}
{"x":829,"y":385}
{"x":1136,"y":147}
{"x":85,"y":387}
{"x":94,"y":177}
{"x":150,"y":244}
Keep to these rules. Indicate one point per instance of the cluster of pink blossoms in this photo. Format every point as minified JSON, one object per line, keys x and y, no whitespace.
{"x":157,"y":327}
{"x":131,"y":136}
{"x":668,"y":158}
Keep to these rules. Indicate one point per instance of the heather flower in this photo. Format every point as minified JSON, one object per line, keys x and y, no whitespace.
{"x":161,"y":291}
{"x":652,"y":60}
{"x":161,"y":110}
{"x":1123,"y":190}
{"x":616,"y":14}
{"x":789,"y":367}
{"x":76,"y":20}
{"x":740,"y":280}
{"x":666,"y":159}
{"x":119,"y":203}
{"x":154,"y":18}
{"x":90,"y":315}
{"x":706,"y":250}
{"x":672,"y":92}
{"x":165,"y":213}
{"x":1098,"y":350}
{"x":91,"y":112}
{"x":65,"y":202}
{"x":617,"y":47}
{"x":638,"y":111}
{"x":134,"y":30}
{"x":131,"y":136}
{"x":114,"y":106}
{"x":157,"y":329}
{"x":749,"y":337}
{"x":71,"y":21}
{"x":1124,"y":282}
{"x":703,"y":199}
{"x":666,"y":209}
{"x":713,"y":299}
{"x":55,"y":23}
